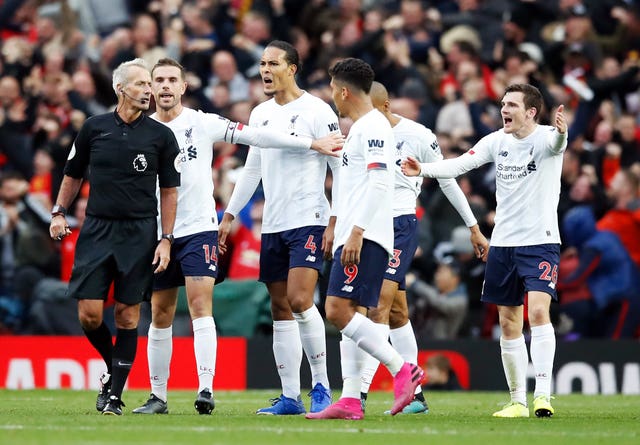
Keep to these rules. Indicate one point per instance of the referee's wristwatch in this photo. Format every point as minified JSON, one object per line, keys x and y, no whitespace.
{"x":168,"y":236}
{"x":58,"y":210}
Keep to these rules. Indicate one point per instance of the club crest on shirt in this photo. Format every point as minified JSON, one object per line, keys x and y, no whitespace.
{"x":188,"y":133}
{"x":140,"y":163}
{"x":292,"y":124}
{"x":265,"y":123}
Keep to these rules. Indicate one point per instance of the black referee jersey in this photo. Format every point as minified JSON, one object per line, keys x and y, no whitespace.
{"x":124,"y":162}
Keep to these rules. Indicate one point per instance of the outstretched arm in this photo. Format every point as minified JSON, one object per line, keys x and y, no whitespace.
{"x":271,"y":139}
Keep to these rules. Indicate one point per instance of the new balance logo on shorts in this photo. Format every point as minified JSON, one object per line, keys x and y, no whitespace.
{"x":311,"y":258}
{"x":347,"y":288}
{"x":391,"y":271}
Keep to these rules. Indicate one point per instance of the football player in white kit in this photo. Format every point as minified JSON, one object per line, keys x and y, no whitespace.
{"x":297,"y":226}
{"x":194,"y":254}
{"x":363,"y":243}
{"x":415,"y":140}
{"x":525,"y":244}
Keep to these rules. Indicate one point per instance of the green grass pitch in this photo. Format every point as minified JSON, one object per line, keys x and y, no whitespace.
{"x":69,"y":417}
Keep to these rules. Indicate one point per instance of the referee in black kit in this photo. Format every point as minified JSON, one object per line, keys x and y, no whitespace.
{"x":126,"y":152}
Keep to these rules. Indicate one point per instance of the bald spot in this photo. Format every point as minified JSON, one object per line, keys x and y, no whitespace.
{"x":378,"y":94}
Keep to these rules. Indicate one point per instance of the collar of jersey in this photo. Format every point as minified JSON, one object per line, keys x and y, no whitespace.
{"x":133,"y":124}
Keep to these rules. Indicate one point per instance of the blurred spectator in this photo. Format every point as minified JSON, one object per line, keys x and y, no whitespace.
{"x":607,"y":269}
{"x":17,"y":115}
{"x":627,"y":135}
{"x":249,"y":43}
{"x":225,"y":72}
{"x":439,"y":375}
{"x":575,"y":310}
{"x":145,"y":42}
{"x":624,"y":218}
{"x":244,"y":262}
{"x":587,"y":190}
{"x":200,"y":38}
{"x":439,"y":311}
{"x":84,"y":86}
{"x":27,"y":250}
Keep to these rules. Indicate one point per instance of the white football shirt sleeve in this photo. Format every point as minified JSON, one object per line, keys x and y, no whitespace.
{"x":270,"y":139}
{"x":557,"y":141}
{"x":456,"y":197}
{"x":479,"y":155}
{"x":246,"y":184}
{"x":222,"y":129}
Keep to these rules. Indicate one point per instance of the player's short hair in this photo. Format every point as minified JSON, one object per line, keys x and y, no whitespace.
{"x":121,"y":72}
{"x":355,"y":72}
{"x":532,"y":97}
{"x":291,"y":55}
{"x":167,"y":61}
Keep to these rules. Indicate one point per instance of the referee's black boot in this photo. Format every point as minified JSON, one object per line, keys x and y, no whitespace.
{"x":114,"y":407}
{"x":103,"y":395}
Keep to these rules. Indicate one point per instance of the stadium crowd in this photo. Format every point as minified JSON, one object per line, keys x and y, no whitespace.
{"x":445,"y":63}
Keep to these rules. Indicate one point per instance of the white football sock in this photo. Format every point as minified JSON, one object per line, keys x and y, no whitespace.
{"x":543,"y":348}
{"x":363,"y":332}
{"x":403,"y":340}
{"x":515,"y":361}
{"x":314,"y":344}
{"x":370,"y":363}
{"x":351,"y":358}
{"x":159,"y":350}
{"x":205,"y":346}
{"x":287,"y":352}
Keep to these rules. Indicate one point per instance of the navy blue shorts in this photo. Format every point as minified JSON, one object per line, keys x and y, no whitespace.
{"x":191,"y":256}
{"x":279,"y":252}
{"x":513,"y":271}
{"x":405,"y":244}
{"x":362,"y":282}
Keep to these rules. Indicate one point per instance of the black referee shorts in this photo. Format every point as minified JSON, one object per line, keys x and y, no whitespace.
{"x":118,"y":252}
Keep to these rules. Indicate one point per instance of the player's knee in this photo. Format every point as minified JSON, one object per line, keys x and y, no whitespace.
{"x":162,"y":317}
{"x":300,"y":302}
{"x":398,"y":318}
{"x":538,"y":315}
{"x":199,"y":306}
{"x":280,"y":310}
{"x":127,"y":316}
{"x":379,"y":315}
{"x":333,"y":315}
{"x":90,"y":320}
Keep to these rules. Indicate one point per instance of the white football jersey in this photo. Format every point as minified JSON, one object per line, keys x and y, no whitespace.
{"x":416,"y":140}
{"x":293,"y":180}
{"x":370,"y":146}
{"x":196,"y":132}
{"x":527,"y":183}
